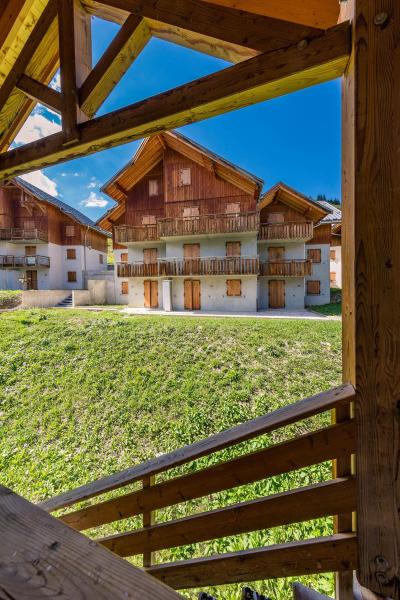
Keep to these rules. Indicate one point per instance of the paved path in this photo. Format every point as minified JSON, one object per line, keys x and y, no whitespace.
{"x":262,"y":314}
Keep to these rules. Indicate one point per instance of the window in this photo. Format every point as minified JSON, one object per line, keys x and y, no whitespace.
{"x":101,"y":259}
{"x":332,"y":277}
{"x":314,"y":254}
{"x":153,"y":187}
{"x":124,"y":257}
{"x":233,"y":208}
{"x":233,"y":287}
{"x":233,"y":249}
{"x":150,"y":256}
{"x":124,"y":287}
{"x":191,"y":211}
{"x":313,"y":288}
{"x":184,"y":177}
{"x":30,"y":250}
{"x":276,"y":218}
{"x":148,"y":220}
{"x":72,"y":276}
{"x":71,"y":254}
{"x":333,"y":254}
{"x":69,"y":230}
{"x":29,"y":224}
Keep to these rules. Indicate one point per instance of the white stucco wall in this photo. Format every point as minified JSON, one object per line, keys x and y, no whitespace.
{"x":320,"y":271}
{"x":293,"y":250}
{"x":135,"y":298}
{"x":294,"y":292}
{"x":214,"y":296}
{"x":336,"y":266}
{"x":213,"y":246}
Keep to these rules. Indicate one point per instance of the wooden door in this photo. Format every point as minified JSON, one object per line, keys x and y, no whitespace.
{"x":192,"y":294}
{"x":150,"y":256}
{"x":276,"y":253}
{"x":276,"y":293}
{"x":150,"y":294}
{"x":191,"y":255}
{"x":30,"y":250}
{"x":31,"y":280}
{"x":233,"y":249}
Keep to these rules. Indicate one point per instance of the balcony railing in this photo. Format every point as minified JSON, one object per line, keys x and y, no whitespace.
{"x":177,"y":267}
{"x":209,"y":224}
{"x":20,"y":262}
{"x":286,"y":268}
{"x":125,"y":234}
{"x":16,"y":234}
{"x":286,"y":231}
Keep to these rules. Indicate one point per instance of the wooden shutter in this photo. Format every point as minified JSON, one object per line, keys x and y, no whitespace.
{"x":185,"y":176}
{"x":191,"y":250}
{"x":124,"y":257}
{"x":333,"y":254}
{"x":29,"y":225}
{"x":276,"y":218}
{"x":148,"y":220}
{"x":233,"y":208}
{"x":153,"y":187}
{"x":71,"y":253}
{"x":69,"y":230}
{"x":276,"y":293}
{"x":191,"y":211}
{"x":313,"y":287}
{"x":150,"y":256}
{"x":314,"y":254}
{"x":234,"y":287}
{"x":154,"y":294}
{"x":72,"y":276}
{"x":332,"y":277}
{"x":196,"y":295}
{"x":124,"y":287}
{"x":188,"y":295}
{"x":30,"y":250}
{"x":233,"y":249}
{"x":276,"y":253}
{"x":147,"y":293}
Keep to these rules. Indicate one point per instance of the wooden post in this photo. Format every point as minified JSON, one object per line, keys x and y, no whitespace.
{"x":371,"y":282}
{"x":148,"y":519}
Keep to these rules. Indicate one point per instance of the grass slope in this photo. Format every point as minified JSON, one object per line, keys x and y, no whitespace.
{"x":83,"y":395}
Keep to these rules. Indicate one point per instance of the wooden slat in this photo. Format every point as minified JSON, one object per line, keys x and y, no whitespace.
{"x":40,"y":92}
{"x":320,"y":500}
{"x":113,"y":64}
{"x":40,"y":557}
{"x":265,"y":76}
{"x":320,"y":555}
{"x":239,"y":27}
{"x":251,"y":429}
{"x":282,"y":458}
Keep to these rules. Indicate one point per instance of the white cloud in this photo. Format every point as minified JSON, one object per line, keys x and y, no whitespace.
{"x":91,"y":185}
{"x":36,"y":127}
{"x":40,"y":180}
{"x":76,"y":174}
{"x":94,"y":201}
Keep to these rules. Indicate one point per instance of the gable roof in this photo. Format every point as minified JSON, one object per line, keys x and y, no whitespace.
{"x":75,"y":214}
{"x":150,"y":153}
{"x":288,"y":195}
{"x":335,"y":214}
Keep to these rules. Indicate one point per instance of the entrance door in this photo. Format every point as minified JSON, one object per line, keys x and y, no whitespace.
{"x":276,"y":253}
{"x":31,"y":280}
{"x":276,"y":293}
{"x":192,"y":294}
{"x":191,"y":255}
{"x":151,"y":294}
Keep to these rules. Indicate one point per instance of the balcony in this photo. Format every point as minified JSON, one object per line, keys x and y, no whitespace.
{"x":181,"y":267}
{"x":23,"y":262}
{"x":126,"y":234}
{"x":18,"y":235}
{"x":272,"y":232}
{"x":286,"y":268}
{"x":213,"y":224}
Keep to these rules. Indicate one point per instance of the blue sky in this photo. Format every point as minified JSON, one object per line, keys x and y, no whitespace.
{"x":295,"y":139}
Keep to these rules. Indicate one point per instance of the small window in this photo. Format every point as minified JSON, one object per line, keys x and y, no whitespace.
{"x":71,"y":254}
{"x":72,"y":276}
{"x":333,"y":254}
{"x":233,"y":249}
{"x":30,"y":250}
{"x":124,"y":257}
{"x":313,"y":288}
{"x":276,"y":218}
{"x":233,"y":287}
{"x":191,"y":211}
{"x":101,"y":259}
{"x":124,"y":287}
{"x":185,"y":177}
{"x":148,"y":220}
{"x":314,"y":254}
{"x":332,"y":277}
{"x":153,"y":187}
{"x":69,"y":230}
{"x":233,"y":208}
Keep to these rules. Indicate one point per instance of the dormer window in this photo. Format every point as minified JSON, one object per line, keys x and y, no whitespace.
{"x":185,"y":177}
{"x":233,"y":208}
{"x":153,"y":187}
{"x":148,"y":220}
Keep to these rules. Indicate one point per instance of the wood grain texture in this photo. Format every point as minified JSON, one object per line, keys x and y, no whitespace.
{"x":251,"y":429}
{"x":312,"y":502}
{"x":40,"y":92}
{"x":320,"y":555}
{"x":371,"y":262}
{"x":40,"y":557}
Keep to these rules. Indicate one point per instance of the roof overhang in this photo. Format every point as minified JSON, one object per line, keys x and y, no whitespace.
{"x":294,"y":199}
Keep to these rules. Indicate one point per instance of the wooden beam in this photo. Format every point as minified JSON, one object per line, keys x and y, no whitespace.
{"x":371,"y":284}
{"x":320,"y":555}
{"x":33,"y":41}
{"x":116,"y":60}
{"x":41,"y":557}
{"x":265,"y":76}
{"x":40,"y":92}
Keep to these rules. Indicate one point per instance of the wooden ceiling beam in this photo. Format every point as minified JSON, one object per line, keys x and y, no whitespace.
{"x":40,"y":93}
{"x":265,"y":76}
{"x":239,"y":27}
{"x":116,"y":60}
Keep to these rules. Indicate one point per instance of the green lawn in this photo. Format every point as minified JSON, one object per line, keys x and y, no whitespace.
{"x":83,"y":395}
{"x":330,"y":310}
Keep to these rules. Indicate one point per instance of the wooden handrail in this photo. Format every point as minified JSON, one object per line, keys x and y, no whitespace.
{"x":251,"y":429}
{"x":212,"y":223}
{"x":286,"y":230}
{"x":176,"y":267}
{"x":286,"y":268}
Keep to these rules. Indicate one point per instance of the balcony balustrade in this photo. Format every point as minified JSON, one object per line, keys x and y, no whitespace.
{"x":286,"y":231}
{"x":21,"y":262}
{"x":176,"y":267}
{"x":208,"y":224}
{"x":286,"y":268}
{"x":20,"y":235}
{"x":126,"y":234}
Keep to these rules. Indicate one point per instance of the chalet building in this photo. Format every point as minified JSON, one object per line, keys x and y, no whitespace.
{"x":44,"y":243}
{"x":336,"y":255}
{"x":193,"y":231}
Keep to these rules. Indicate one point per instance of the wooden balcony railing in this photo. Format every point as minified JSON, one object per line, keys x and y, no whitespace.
{"x":286,"y":231}
{"x":175,"y":267}
{"x":17,"y":262}
{"x":14,"y":234}
{"x":286,"y":268}
{"x":208,"y":224}
{"x":125,"y":234}
{"x":242,"y":467}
